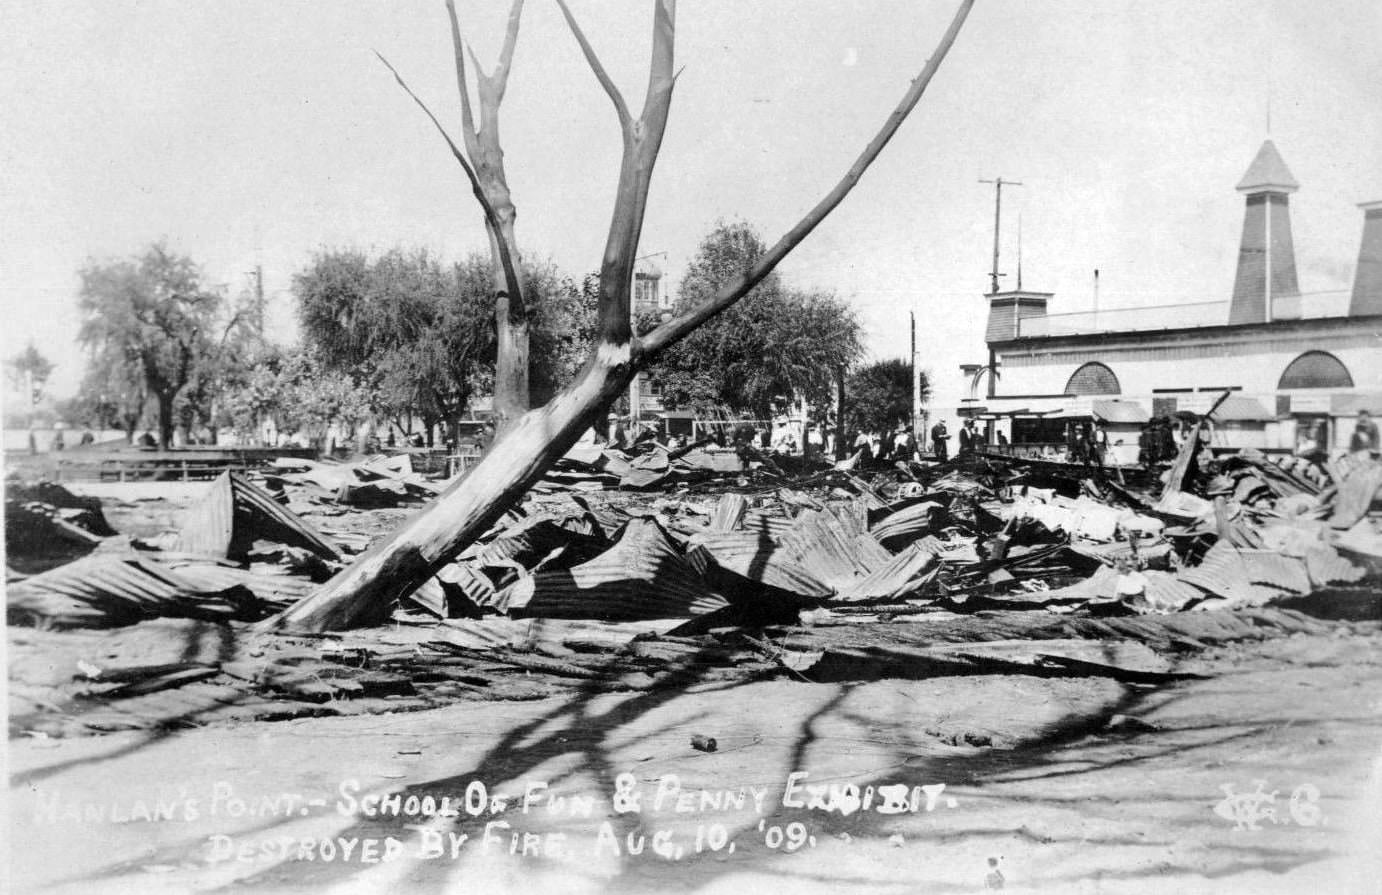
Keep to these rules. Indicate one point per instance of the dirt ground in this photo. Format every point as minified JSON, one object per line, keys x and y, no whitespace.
{"x":1259,"y":772}
{"x":1072,"y":785}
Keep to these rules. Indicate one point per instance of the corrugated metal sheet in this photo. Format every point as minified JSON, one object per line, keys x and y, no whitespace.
{"x":1237,"y":408}
{"x":755,"y":556}
{"x":1119,"y":411}
{"x":1357,"y":490}
{"x":906,"y":524}
{"x":1326,"y":566}
{"x":267,"y":583}
{"x":766,"y":522}
{"x":729,"y":512}
{"x":529,"y":541}
{"x":904,"y":574}
{"x":457,"y":590}
{"x":1223,"y":573}
{"x":210,"y":522}
{"x":1272,"y":569}
{"x":234,"y":513}
{"x":105,"y":591}
{"x":818,"y":543}
{"x":643,"y":576}
{"x":1164,"y":593}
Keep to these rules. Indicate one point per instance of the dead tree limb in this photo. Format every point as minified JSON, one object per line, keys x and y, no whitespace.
{"x":364,"y":592}
{"x":511,"y":312}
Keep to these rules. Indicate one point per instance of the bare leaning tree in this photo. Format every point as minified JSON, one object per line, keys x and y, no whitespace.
{"x":482,"y":158}
{"x":364,"y":592}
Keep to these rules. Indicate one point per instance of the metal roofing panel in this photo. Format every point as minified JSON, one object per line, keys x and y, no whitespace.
{"x":1114,"y":411}
{"x":1237,"y":408}
{"x":643,"y":576}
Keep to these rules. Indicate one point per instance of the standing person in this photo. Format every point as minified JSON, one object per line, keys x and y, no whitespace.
{"x":1099,"y":443}
{"x":1072,"y":443}
{"x":1364,"y":438}
{"x":744,"y":437}
{"x":940,"y":435}
{"x":969,"y":437}
{"x":906,"y":446}
{"x":863,"y":447}
{"x":1166,"y":448}
{"x":887,"y":445}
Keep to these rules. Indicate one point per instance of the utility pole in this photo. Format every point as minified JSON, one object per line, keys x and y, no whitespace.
{"x":998,"y":184}
{"x":259,"y":301}
{"x":916,"y":386}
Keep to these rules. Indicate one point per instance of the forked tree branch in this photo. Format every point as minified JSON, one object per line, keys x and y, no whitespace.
{"x":467,"y":117}
{"x":491,"y":219}
{"x":501,"y":69}
{"x":625,"y":119}
{"x":683,"y":324}
{"x":660,"y":75}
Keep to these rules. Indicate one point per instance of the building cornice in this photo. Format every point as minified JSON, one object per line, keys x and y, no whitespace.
{"x":1191,"y":335}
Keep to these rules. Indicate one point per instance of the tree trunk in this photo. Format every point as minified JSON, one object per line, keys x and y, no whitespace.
{"x":511,"y":386}
{"x":364,"y":593}
{"x":165,"y":419}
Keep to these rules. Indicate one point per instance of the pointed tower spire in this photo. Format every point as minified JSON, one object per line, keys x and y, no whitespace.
{"x":1265,"y":287}
{"x":1367,"y":282}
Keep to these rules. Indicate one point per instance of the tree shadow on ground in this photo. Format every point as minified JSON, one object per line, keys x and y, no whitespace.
{"x":585,"y":733}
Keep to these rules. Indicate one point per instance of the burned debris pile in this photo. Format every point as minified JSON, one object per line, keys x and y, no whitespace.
{"x":665,"y":568}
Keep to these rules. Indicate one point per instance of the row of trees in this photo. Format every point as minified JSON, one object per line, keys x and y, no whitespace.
{"x":404,"y":337}
{"x":400,"y":337}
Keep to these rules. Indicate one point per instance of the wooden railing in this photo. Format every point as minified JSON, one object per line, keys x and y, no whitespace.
{"x":173,"y":465}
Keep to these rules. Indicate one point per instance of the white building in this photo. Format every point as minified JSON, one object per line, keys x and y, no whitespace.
{"x":1291,"y":360}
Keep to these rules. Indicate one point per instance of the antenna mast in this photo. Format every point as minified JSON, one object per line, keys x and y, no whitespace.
{"x":998,"y":184}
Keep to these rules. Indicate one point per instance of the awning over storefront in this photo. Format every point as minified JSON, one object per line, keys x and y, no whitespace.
{"x":1111,"y":411}
{"x":1239,"y":409}
{"x":1349,"y":405}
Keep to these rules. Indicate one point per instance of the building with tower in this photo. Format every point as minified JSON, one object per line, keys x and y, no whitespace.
{"x":1295,"y":362}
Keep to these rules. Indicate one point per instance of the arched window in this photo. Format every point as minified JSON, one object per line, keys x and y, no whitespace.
{"x":1093,"y":379}
{"x":1315,"y":369}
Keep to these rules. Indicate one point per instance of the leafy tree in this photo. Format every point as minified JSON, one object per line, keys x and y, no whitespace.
{"x":562,"y":327}
{"x":113,"y":395}
{"x":404,"y":325}
{"x":29,"y":369}
{"x":879,"y":395}
{"x":312,"y":397}
{"x":421,"y":334}
{"x":254,"y":395}
{"x":778,"y":345}
{"x":152,"y":312}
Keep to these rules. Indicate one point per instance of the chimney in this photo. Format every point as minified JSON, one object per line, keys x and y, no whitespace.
{"x":1367,"y":282}
{"x":1265,"y":286}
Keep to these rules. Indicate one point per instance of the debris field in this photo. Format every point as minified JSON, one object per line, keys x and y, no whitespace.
{"x":651,"y":568}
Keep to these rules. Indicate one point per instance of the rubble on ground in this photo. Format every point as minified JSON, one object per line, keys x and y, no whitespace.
{"x":633,"y":570}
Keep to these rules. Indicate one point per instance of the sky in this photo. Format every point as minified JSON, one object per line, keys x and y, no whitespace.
{"x":257,"y":132}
